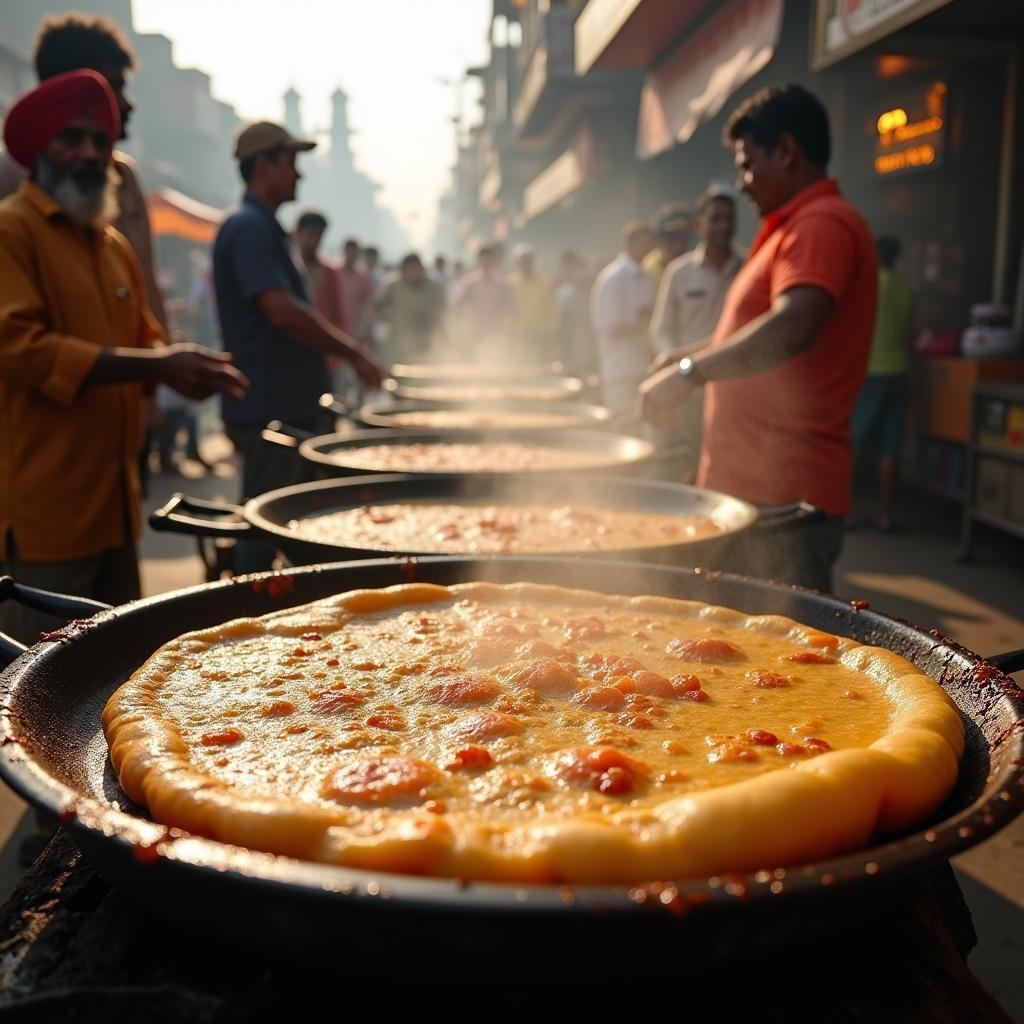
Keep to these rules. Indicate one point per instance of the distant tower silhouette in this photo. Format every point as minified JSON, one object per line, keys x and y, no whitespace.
{"x":341,"y":133}
{"x":292,"y":113}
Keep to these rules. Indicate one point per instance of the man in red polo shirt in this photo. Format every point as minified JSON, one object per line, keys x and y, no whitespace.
{"x":787,"y":359}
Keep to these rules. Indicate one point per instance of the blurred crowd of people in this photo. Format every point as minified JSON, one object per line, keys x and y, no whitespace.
{"x":407,"y":311}
{"x":666,"y":288}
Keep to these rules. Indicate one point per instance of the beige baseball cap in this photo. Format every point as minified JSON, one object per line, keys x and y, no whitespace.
{"x":263,"y":136}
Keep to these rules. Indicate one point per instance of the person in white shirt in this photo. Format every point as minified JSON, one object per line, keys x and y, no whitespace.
{"x":620,"y":308}
{"x":440,"y":273}
{"x":688,"y":306}
{"x":693,"y":287}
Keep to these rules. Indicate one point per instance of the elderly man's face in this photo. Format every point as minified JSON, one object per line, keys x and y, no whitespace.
{"x":81,"y":149}
{"x":73,"y":168}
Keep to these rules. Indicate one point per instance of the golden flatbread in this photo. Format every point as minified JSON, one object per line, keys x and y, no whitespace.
{"x":532,"y":734}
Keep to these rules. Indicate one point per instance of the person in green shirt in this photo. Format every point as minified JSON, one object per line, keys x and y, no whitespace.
{"x":881,"y":408}
{"x":413,"y":307}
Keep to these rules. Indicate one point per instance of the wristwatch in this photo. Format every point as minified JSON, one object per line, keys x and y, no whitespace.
{"x":691,"y":371}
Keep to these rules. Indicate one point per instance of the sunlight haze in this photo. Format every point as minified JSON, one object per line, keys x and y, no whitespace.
{"x":388,"y":56}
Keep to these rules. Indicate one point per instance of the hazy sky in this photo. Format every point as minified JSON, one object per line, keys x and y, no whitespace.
{"x":386,"y":54}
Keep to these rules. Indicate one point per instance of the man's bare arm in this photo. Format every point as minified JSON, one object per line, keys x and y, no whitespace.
{"x":673,"y":357}
{"x":192,"y":370}
{"x":304,"y":324}
{"x":785,"y":331}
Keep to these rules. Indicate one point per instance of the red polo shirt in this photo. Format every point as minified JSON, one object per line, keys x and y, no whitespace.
{"x":784,"y":435}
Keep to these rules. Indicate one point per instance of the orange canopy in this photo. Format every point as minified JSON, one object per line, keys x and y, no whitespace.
{"x":173,"y":213}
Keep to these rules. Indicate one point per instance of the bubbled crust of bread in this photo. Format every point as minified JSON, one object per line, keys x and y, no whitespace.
{"x":826,"y":806}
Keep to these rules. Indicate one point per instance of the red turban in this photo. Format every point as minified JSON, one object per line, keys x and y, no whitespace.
{"x":42,"y":114}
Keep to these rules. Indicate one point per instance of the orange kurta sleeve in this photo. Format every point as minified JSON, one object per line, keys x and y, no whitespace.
{"x":31,"y":354}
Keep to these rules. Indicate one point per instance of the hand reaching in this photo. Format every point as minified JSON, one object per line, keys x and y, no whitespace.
{"x":662,"y":395}
{"x":369,"y":371}
{"x":198,"y":372}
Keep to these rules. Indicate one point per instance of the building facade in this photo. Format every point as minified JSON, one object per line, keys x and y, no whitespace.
{"x":616,"y":106}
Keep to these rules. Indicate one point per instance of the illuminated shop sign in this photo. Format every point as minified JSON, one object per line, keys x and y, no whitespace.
{"x":912,"y":136}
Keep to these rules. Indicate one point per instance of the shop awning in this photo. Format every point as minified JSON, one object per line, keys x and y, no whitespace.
{"x":558,"y":180}
{"x":563,"y":176}
{"x":629,"y":34}
{"x":174,"y":213}
{"x":694,"y":82}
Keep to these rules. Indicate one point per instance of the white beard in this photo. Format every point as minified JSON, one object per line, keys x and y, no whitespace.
{"x":85,"y":207}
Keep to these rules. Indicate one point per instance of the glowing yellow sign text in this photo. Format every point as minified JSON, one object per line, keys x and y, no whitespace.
{"x":916,"y":156}
{"x":892,"y":119}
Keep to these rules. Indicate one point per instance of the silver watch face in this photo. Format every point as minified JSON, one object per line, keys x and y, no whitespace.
{"x":688,"y":369}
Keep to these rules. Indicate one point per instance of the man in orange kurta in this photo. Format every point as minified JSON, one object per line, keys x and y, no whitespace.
{"x":76,"y":341}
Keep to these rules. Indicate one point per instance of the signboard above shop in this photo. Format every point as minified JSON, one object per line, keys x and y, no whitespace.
{"x":842,"y":27}
{"x":910,"y":134}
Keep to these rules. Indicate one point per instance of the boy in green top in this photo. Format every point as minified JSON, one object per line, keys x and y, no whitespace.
{"x":881,"y":408}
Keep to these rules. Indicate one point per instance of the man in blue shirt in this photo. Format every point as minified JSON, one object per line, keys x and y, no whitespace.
{"x":277,"y":339}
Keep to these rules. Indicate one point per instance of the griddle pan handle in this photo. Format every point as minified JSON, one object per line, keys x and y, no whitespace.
{"x":284,"y":436}
{"x":47,"y":601}
{"x":1011,"y":661}
{"x":796,"y":513}
{"x":174,"y":518}
{"x":332,"y":404}
{"x":10,"y":650}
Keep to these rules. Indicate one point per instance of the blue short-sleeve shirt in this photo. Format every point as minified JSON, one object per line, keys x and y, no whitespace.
{"x":251,"y":255}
